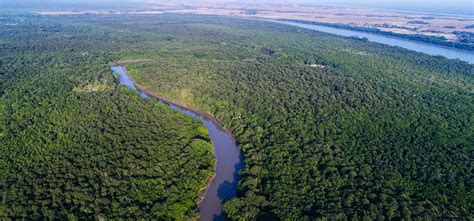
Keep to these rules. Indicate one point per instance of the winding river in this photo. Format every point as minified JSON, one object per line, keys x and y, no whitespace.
{"x":228,"y":155}
{"x":426,"y":48}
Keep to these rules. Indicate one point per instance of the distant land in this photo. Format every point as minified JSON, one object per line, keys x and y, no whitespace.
{"x":29,"y":5}
{"x":255,"y":110}
{"x":454,"y":31}
{"x":450,"y":9}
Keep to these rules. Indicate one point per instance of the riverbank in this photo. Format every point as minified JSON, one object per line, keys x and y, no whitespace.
{"x":433,"y":40}
{"x":228,"y":157}
{"x":426,"y":48}
{"x":185,"y":106}
{"x":125,"y":62}
{"x":168,"y":100}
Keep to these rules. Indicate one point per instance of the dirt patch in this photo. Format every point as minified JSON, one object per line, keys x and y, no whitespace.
{"x":91,"y":88}
{"x":124,"y":62}
{"x":317,"y":65}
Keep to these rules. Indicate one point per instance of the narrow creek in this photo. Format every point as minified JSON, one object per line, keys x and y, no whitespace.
{"x":228,"y":155}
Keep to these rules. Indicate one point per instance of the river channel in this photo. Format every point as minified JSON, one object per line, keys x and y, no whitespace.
{"x":426,"y":48}
{"x":228,"y":155}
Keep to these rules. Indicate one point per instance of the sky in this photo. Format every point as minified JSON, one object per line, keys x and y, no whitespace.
{"x":431,"y":2}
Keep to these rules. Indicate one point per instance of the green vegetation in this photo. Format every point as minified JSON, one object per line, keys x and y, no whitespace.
{"x":437,"y":40}
{"x":373,"y":132}
{"x":418,"y":22}
{"x":330,"y":127}
{"x":73,"y":144}
{"x":464,"y":36}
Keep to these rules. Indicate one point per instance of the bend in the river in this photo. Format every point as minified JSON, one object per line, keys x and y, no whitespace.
{"x":228,"y":155}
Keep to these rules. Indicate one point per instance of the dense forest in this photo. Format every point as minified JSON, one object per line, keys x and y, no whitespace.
{"x":74,"y":145}
{"x":465,"y":38}
{"x":330,"y":127}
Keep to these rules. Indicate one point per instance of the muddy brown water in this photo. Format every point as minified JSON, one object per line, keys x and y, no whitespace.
{"x":228,"y":155}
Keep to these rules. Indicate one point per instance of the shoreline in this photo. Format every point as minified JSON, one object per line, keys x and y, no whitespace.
{"x":182,"y":105}
{"x":404,"y":37}
{"x":171,"y":101}
{"x":185,"y":106}
{"x":203,"y":191}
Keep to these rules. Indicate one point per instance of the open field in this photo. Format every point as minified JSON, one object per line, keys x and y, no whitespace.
{"x":398,"y":22}
{"x":393,"y":21}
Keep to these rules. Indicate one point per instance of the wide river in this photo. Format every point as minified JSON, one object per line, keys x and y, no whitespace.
{"x":228,"y":156}
{"x":227,"y":153}
{"x":426,"y":48}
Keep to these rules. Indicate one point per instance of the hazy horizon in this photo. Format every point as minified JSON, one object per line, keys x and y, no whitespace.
{"x":460,"y":7}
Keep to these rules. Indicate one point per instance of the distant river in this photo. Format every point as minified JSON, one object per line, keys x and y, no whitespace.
{"x":430,"y":49}
{"x":228,"y":155}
